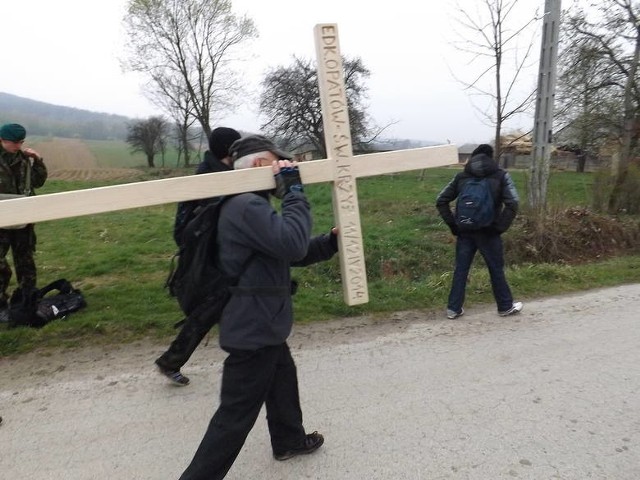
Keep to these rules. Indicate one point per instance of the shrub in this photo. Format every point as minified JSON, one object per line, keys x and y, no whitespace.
{"x":569,"y":236}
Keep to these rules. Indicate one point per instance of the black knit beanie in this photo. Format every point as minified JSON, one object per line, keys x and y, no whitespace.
{"x":220,"y":140}
{"x":483,"y":148}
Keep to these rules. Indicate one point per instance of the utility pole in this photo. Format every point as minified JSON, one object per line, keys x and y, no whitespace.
{"x":542,"y":129}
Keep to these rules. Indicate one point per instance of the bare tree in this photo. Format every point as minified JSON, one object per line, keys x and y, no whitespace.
{"x":290,"y":101}
{"x":587,"y":97}
{"x":491,"y":38}
{"x":616,"y":34}
{"x":187,"y":48}
{"x":149,"y":137}
{"x":168,"y":92}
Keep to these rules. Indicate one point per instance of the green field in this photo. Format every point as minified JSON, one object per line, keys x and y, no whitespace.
{"x":115,"y":154}
{"x":120,"y":261}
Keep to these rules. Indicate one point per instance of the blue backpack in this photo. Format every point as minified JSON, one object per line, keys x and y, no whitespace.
{"x":475,"y":207}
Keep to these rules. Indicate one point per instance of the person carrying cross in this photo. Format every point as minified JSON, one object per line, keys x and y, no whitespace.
{"x":260,"y":245}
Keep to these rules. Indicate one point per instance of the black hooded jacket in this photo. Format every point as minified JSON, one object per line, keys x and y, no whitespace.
{"x":185,"y":210}
{"x":503,"y":190}
{"x":211,"y":164}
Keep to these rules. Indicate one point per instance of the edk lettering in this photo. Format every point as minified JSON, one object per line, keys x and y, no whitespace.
{"x":330,"y":51}
{"x":329,"y":31}
{"x":329,"y":34}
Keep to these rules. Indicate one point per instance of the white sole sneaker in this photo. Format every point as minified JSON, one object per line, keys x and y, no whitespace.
{"x":451,"y":314}
{"x":516,"y":308}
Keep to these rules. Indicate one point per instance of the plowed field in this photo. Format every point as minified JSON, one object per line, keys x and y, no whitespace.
{"x":70,"y":159}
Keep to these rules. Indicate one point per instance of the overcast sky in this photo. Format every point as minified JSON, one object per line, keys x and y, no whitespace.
{"x":67,"y":52}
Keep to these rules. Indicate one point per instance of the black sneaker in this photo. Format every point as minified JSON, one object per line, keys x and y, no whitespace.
{"x":312,"y":442}
{"x":174,"y":375}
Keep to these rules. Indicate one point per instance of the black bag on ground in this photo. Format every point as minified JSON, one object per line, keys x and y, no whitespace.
{"x":23,"y":307}
{"x":37,"y":307}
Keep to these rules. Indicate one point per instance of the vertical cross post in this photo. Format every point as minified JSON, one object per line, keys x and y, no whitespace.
{"x":337,"y":136}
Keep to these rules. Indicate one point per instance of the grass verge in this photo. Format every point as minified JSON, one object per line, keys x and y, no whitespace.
{"x":120,"y":261}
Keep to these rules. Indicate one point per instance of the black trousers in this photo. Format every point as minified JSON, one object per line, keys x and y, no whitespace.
{"x":249,"y":380}
{"x":22,"y":243}
{"x":191,"y":334}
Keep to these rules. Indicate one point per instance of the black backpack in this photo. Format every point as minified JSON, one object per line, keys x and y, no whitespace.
{"x":197,"y":282}
{"x":186,"y":212}
{"x":37,"y":307}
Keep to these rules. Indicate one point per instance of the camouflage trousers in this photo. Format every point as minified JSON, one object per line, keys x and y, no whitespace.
{"x":22,"y":243}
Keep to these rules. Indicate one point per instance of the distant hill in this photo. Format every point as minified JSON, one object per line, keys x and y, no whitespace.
{"x":401,"y":144}
{"x":40,"y":118}
{"x":46,"y":119}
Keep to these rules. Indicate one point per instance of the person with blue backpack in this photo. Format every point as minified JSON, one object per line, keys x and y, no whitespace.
{"x":486,"y":205}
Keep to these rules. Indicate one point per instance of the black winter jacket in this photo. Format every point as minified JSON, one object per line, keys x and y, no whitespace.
{"x":185,"y":210}
{"x":212,"y":164}
{"x":259,"y":245}
{"x":503,"y":191}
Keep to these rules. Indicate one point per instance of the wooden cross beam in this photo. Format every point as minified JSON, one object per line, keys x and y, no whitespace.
{"x":341,"y":168}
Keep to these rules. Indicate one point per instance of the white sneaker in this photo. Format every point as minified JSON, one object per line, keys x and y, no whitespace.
{"x":451,"y":314}
{"x":515,"y":308}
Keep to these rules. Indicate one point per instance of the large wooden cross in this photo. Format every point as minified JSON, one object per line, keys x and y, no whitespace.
{"x":341,"y":167}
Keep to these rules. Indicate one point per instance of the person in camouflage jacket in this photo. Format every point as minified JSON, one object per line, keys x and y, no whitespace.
{"x":21,"y":171}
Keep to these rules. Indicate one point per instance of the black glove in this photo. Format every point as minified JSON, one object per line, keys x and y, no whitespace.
{"x":288,"y":180}
{"x":454,"y":230}
{"x":333,"y":239}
